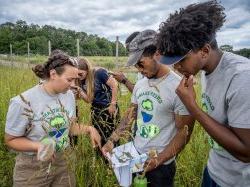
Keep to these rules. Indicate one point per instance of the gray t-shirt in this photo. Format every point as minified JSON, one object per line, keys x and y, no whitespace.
{"x":38,"y":115}
{"x":225,"y":98}
{"x":157,"y":104}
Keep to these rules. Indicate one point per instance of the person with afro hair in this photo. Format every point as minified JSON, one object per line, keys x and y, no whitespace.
{"x":187,"y":40}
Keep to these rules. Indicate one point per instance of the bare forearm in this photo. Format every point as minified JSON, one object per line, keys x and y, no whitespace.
{"x":22,"y":144}
{"x":125,"y":124}
{"x":114,"y":91}
{"x":222,"y":135}
{"x":176,"y":145}
{"x":129,"y":85}
{"x":78,"y":129}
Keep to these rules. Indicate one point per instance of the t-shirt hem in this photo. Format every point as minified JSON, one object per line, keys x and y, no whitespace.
{"x":13,"y":133}
{"x":219,"y":182}
{"x":240,"y":125}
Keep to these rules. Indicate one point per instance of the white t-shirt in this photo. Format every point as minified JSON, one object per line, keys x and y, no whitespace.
{"x":157,"y":105}
{"x":225,"y":98}
{"x":40,"y":115}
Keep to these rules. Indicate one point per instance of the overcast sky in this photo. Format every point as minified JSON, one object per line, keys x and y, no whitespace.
{"x":108,"y":18}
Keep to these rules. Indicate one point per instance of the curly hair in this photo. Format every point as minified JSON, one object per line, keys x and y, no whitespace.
{"x":190,"y":28}
{"x":56,"y":61}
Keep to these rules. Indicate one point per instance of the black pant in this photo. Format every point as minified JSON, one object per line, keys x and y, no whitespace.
{"x":162,"y":176}
{"x":103,"y":121}
{"x":207,"y":181}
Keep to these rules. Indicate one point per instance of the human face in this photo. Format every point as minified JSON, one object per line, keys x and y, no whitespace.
{"x":82,"y":74}
{"x":191,"y":64}
{"x":62,"y":83}
{"x":147,"y":66}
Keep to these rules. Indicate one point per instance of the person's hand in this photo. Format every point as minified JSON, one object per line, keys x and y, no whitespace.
{"x":150,"y":164}
{"x":76,"y":90}
{"x":186,"y":91}
{"x":95,"y":137}
{"x":112,"y":109}
{"x":107,"y":148}
{"x":119,"y":76}
{"x":46,"y":150}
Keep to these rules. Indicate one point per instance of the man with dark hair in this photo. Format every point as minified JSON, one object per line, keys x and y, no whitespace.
{"x":163,"y":123}
{"x":187,"y":40}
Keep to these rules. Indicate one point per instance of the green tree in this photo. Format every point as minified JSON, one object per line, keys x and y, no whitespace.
{"x":19,"y":33}
{"x":228,"y":48}
{"x":243,"y":52}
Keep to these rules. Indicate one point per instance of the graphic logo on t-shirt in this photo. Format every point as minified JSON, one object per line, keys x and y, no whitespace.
{"x":56,"y":126}
{"x":147,"y":130}
{"x":207,"y":105}
{"x":148,"y":106}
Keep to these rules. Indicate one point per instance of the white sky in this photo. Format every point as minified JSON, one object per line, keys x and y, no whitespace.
{"x":108,"y":18}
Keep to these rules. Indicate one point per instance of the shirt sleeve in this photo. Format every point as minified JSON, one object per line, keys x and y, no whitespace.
{"x":238,"y":102}
{"x":179,"y":107}
{"x":72,"y":104}
{"x":133,"y":96}
{"x":102,"y":75}
{"x":16,"y":121}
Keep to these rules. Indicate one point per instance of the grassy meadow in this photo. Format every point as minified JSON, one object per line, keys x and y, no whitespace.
{"x":89,"y":168}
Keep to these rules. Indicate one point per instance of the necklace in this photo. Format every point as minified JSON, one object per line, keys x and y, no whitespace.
{"x":155,"y":83}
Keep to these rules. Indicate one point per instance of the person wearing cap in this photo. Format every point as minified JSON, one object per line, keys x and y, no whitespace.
{"x":225,"y":112}
{"x":163,"y":123}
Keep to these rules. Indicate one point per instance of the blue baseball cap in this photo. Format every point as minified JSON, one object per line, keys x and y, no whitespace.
{"x":170,"y":60}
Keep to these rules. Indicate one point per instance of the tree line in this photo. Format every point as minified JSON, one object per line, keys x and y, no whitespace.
{"x":20,"y":33}
{"x":243,"y":52}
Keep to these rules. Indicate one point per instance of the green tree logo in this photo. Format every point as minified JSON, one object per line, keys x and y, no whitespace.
{"x":147,"y":105}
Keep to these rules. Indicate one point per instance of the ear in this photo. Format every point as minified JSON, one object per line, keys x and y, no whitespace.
{"x":52,"y":74}
{"x":157,"y":55}
{"x":205,"y":51}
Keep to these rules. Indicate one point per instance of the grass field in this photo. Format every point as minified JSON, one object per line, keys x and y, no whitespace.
{"x":107,"y":62}
{"x":89,"y":168}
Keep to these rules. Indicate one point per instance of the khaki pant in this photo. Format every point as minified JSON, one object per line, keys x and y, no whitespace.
{"x":29,"y":172}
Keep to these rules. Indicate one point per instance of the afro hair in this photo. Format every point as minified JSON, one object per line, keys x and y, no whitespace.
{"x":190,"y":28}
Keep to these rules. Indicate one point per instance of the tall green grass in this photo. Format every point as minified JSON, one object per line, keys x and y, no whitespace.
{"x":90,"y":168}
{"x":12,"y":82}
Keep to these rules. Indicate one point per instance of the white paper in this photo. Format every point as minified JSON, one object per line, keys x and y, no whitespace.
{"x":125,"y":161}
